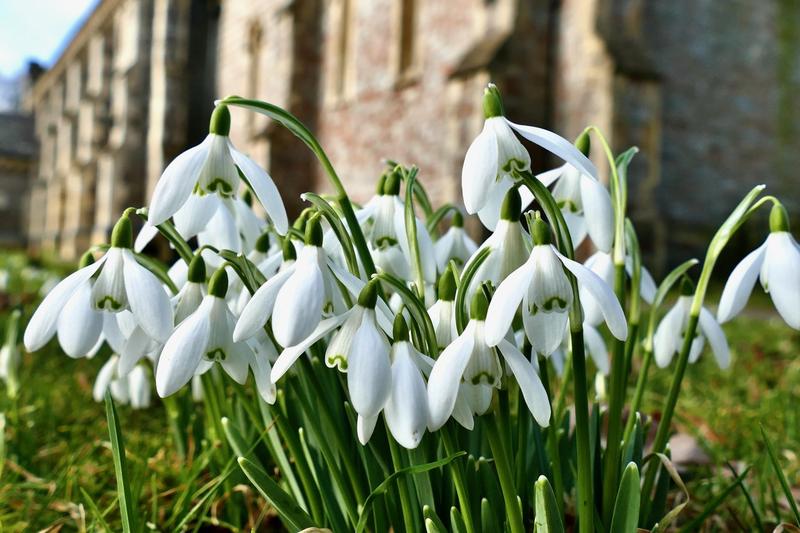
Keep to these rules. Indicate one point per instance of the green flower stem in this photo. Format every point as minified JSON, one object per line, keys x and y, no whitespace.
{"x":462,"y":492}
{"x":585,"y":475}
{"x":410,"y":522}
{"x":437,"y":216}
{"x":552,"y":439}
{"x":294,"y":125}
{"x":411,"y":232}
{"x":734,"y":221}
{"x":618,"y":384}
{"x":641,"y":385}
{"x":503,"y":465}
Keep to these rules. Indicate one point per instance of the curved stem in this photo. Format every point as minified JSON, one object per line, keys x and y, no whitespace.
{"x":411,"y":233}
{"x":503,"y":465}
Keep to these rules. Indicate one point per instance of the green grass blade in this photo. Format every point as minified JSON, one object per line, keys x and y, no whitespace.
{"x":697,"y":521}
{"x":295,"y":518}
{"x":120,"y":467}
{"x":626,"y":509}
{"x":96,"y":513}
{"x":787,"y":491}
{"x":384,"y":486}
{"x":548,"y":518}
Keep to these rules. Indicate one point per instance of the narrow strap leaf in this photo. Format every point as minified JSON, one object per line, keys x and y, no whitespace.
{"x":126,"y":510}
{"x":626,"y":508}
{"x":548,"y":518}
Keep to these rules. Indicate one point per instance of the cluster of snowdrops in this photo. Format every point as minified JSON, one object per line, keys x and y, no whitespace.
{"x":424,"y":325}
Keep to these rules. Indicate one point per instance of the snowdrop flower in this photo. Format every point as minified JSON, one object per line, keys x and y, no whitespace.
{"x":115,"y":283}
{"x":670,"y":332}
{"x":202,"y":338}
{"x":388,"y":238}
{"x":469,"y":368}
{"x":595,"y":348}
{"x":508,"y":244}
{"x":777,"y":264}
{"x":442,"y":313}
{"x":496,"y":154}
{"x":302,"y":294}
{"x":212,"y":168}
{"x":544,"y":290}
{"x":585,"y":203}
{"x":602,"y":264}
{"x":264,"y":353}
{"x":454,"y":244}
{"x":406,"y":409}
{"x":139,"y":388}
{"x":193,"y":291}
{"x":360,"y":348}
{"x":108,"y":380}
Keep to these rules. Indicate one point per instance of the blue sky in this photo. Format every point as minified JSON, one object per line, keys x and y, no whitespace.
{"x":37,"y":29}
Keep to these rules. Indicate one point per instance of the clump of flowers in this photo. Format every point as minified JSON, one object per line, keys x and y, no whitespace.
{"x":386,"y":346}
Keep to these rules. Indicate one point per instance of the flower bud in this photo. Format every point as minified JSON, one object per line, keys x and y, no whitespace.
{"x":218,"y":286}
{"x":479,"y":306}
{"x":369,"y":295}
{"x":381,"y":184}
{"x":492,"y":103}
{"x":778,"y":218}
{"x":86,"y":260}
{"x":289,"y":252}
{"x":197,"y":270}
{"x":122,"y":234}
{"x":540,"y":231}
{"x":512,"y":206}
{"x":262,"y":243}
{"x":447,"y":286}
{"x":400,"y":329}
{"x":313,"y":235}
{"x":583,"y":143}
{"x":220,"y":123}
{"x":458,"y":220}
{"x":392,"y":185}
{"x":687,"y":286}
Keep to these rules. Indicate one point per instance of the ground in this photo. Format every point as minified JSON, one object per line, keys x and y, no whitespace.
{"x":57,"y":469}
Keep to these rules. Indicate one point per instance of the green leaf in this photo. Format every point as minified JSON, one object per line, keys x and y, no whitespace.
{"x":430,"y":516}
{"x":787,"y":491}
{"x":626,"y":508}
{"x":386,"y":483}
{"x":548,"y":519}
{"x":128,"y":516}
{"x":411,"y":232}
{"x":295,"y":518}
{"x":456,"y":521}
{"x":669,"y":468}
{"x":96,"y":513}
{"x":463,"y":285}
{"x":158,"y":270}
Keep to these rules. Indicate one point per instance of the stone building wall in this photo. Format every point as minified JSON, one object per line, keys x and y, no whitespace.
{"x":706,"y":89}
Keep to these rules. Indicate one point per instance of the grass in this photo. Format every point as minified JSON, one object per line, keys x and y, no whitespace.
{"x":57,"y":471}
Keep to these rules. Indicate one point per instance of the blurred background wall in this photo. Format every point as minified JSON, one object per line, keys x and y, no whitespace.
{"x":705,"y":88}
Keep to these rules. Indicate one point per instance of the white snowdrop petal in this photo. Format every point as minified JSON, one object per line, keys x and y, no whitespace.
{"x":530,"y":385}
{"x":783,"y":276}
{"x":369,"y":374}
{"x":79,"y":325}
{"x":237,"y":361}
{"x":177,"y":182}
{"x":265,"y":190}
{"x":547,"y":178}
{"x":261,"y":372}
{"x":147,"y":299}
{"x":406,"y":410}
{"x":647,"y":286}
{"x":443,"y":383}
{"x":135,"y":348}
{"x":289,"y":355}
{"x":612,"y":311}
{"x":184,"y":350}
{"x":145,"y":235}
{"x":596,"y":349}
{"x":545,"y":331}
{"x":258,"y":310}
{"x":556,"y":145}
{"x":221,"y":232}
{"x":480,"y":170}
{"x":299,"y":302}
{"x":365,"y":426}
{"x":740,"y":284}
{"x":489,"y":214}
{"x":598,"y":212}
{"x":42,"y":325}
{"x":712,"y":331}
{"x":668,"y":335}
{"x":104,"y":378}
{"x":462,"y":411}
{"x":505,"y":303}
{"x":195,"y":214}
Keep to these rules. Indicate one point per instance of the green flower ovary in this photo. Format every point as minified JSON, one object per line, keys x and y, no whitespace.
{"x":108,"y":303}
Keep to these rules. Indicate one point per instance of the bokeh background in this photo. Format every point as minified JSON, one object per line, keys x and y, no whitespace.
{"x":100,"y":95}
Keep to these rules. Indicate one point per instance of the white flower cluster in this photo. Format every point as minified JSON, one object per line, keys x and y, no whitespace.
{"x":312,"y":296}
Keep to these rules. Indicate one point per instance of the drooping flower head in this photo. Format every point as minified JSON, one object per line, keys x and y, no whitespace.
{"x":776,"y":263}
{"x":209,"y":173}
